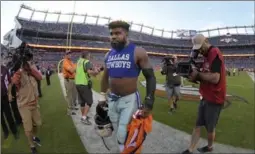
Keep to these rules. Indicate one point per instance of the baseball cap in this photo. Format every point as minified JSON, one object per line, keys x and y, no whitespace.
{"x":68,"y":52}
{"x":198,"y":41}
{"x":173,"y":56}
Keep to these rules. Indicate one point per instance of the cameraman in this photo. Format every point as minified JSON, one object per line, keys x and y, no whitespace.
{"x":173,"y":81}
{"x":84,"y":85}
{"x":212,"y":89}
{"x":27,"y":98}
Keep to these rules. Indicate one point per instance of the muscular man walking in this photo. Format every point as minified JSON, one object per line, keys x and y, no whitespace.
{"x":123,"y":65}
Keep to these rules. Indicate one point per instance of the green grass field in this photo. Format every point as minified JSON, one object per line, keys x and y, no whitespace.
{"x":236,"y":124}
{"x":58,"y":134}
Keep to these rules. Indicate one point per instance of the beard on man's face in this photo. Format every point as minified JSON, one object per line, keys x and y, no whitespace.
{"x":118,"y":45}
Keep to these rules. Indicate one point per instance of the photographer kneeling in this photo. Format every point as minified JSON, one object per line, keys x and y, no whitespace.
{"x":173,"y":81}
{"x":212,"y":80}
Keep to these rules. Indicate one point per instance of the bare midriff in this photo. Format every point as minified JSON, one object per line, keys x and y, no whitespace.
{"x":123,"y":86}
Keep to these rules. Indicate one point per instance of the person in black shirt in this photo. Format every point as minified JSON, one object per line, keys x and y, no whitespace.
{"x":6,"y":113}
{"x":48,"y":74}
{"x":173,"y":83}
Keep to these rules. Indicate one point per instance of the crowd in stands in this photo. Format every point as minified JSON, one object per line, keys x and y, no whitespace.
{"x":99,"y":30}
{"x":52,"y":58}
{"x":48,"y":58}
{"x":98,"y":44}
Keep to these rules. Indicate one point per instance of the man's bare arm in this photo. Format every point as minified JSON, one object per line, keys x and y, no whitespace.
{"x":92,"y":72}
{"x":36,"y":74}
{"x":105,"y":79}
{"x":213,"y":78}
{"x":148,"y":72}
{"x":91,"y":69}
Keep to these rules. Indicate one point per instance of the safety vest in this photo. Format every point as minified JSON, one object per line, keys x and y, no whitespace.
{"x":81,"y":77}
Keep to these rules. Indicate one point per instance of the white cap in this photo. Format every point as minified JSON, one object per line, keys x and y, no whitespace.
{"x":198,"y":41}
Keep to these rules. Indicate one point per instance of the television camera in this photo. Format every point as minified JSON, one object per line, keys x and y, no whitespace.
{"x":167,"y":61}
{"x":185,"y":68}
{"x":20,"y":57}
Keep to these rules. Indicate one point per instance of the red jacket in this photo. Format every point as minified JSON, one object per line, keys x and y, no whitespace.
{"x":215,"y":93}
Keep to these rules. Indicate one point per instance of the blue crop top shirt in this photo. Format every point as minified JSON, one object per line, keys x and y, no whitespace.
{"x":122,"y":64}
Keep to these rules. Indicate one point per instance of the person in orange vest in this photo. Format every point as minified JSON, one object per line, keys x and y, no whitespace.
{"x":69,"y":73}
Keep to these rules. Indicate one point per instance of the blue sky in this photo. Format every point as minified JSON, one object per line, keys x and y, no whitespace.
{"x":168,"y":15}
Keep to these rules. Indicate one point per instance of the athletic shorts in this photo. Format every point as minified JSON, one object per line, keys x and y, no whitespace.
{"x":85,"y":95}
{"x":173,"y":91}
{"x":30,"y":117}
{"x":208,"y":115}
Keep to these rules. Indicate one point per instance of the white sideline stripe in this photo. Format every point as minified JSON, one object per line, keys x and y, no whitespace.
{"x":233,"y":85}
{"x":251,"y":75}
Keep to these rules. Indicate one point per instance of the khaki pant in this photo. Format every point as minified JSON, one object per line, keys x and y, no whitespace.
{"x":71,"y":93}
{"x":30,"y":117}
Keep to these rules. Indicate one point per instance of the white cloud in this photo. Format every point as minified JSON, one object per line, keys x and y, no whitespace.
{"x":209,"y":9}
{"x":214,"y":25}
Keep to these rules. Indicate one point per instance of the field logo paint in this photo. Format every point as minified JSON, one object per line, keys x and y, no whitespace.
{"x":192,"y":94}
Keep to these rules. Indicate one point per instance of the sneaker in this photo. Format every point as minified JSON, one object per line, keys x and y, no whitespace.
{"x":33,"y":150}
{"x":86,"y":121}
{"x":72,"y":113}
{"x":205,"y":149}
{"x":37,"y":141}
{"x":170,"y":111}
{"x":186,"y":152}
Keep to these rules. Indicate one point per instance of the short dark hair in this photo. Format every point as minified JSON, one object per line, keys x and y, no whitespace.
{"x":84,"y":54}
{"x":119,"y":24}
